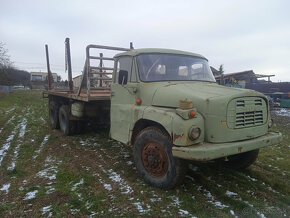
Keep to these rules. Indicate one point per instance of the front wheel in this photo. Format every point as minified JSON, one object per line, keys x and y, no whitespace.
{"x":154,"y":160}
{"x":240,"y":161}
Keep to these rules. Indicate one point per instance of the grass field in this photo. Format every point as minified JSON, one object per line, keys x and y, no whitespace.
{"x":43,"y":173}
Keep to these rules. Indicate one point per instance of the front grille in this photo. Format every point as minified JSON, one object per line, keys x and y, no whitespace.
{"x":246,"y":112}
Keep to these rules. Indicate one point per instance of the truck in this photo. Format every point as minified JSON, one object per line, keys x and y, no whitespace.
{"x":167,"y":105}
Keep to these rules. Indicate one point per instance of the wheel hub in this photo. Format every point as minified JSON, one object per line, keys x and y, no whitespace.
{"x":155,"y":159}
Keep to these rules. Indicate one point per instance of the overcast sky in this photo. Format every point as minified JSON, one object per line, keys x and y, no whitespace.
{"x":241,"y":35}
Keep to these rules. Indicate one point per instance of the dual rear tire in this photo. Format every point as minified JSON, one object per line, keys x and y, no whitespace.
{"x":59,"y":117}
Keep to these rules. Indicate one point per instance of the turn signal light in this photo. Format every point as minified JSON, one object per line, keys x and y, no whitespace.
{"x":138,"y":101}
{"x":192,"y":114}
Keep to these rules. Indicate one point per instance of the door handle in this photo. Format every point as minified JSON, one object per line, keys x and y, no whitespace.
{"x":112,"y":93}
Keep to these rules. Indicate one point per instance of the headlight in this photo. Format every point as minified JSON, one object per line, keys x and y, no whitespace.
{"x":194,"y":133}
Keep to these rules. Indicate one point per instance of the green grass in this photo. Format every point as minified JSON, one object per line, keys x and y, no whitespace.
{"x":56,"y":168}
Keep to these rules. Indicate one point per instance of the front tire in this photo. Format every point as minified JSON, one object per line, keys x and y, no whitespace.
{"x":240,"y":161}
{"x":67,"y":126}
{"x":154,"y":160}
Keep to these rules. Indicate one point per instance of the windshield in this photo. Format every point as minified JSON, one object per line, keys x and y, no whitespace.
{"x":170,"y":67}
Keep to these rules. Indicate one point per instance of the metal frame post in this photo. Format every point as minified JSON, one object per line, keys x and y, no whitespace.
{"x":48,"y":68}
{"x":68,"y":63}
{"x":101,"y":65}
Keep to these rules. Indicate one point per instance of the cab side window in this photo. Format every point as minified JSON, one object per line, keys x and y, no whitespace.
{"x":124,"y":64}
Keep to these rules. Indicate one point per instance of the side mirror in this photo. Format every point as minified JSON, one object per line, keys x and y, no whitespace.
{"x":123,"y":77}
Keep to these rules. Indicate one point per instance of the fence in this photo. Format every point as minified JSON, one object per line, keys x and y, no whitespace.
{"x":6,"y":89}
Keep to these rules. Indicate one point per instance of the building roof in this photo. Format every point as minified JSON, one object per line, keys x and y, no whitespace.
{"x":213,"y":70}
{"x":136,"y":52}
{"x":236,"y":74}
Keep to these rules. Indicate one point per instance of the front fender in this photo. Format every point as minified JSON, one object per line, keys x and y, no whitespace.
{"x":176,"y":126}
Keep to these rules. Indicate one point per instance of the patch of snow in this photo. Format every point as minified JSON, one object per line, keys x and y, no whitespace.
{"x":15,"y":155}
{"x":5,"y":188}
{"x":108,"y":187}
{"x":193,"y":168}
{"x":261,"y":215}
{"x":155,"y":199}
{"x":229,"y":193}
{"x":41,"y":146}
{"x":176,"y":201}
{"x":30,"y":195}
{"x":129,"y":162}
{"x":74,"y":211}
{"x":46,"y":210}
{"x":282,"y":112}
{"x":124,"y":187}
{"x":183,"y":212}
{"x":140,"y":208}
{"x":6,"y":146}
{"x":10,"y":110}
{"x":22,"y":128}
{"x":49,"y":190}
{"x":49,"y":173}
{"x":252,"y":179}
{"x":213,"y":201}
{"x":20,"y":135}
{"x":77,"y":184}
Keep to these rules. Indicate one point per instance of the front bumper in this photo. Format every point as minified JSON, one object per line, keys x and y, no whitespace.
{"x":210,"y":151}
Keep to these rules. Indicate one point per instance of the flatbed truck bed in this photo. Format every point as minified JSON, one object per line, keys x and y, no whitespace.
{"x":95,"y":95}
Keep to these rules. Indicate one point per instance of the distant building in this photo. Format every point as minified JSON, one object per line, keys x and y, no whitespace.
{"x":77,"y":81}
{"x":241,"y":79}
{"x":41,"y":76}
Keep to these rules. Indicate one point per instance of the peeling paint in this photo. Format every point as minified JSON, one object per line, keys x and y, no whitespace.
{"x":176,"y":136}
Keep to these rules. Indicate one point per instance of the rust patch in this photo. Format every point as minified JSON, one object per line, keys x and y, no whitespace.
{"x":240,"y":149}
{"x":211,"y":136}
{"x":224,"y":123}
{"x":176,"y":136}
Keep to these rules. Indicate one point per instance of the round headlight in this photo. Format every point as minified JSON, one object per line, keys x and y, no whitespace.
{"x":194,"y":133}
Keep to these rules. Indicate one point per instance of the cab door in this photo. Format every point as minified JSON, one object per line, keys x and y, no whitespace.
{"x":122,"y":99}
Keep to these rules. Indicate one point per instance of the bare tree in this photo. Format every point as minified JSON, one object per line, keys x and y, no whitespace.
{"x":4,"y":57}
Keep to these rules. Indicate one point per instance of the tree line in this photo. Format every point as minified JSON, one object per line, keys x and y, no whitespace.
{"x":9,"y":75}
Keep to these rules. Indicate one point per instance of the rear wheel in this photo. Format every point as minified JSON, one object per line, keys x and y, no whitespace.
{"x":240,"y":161}
{"x":53,"y":115}
{"x":154,"y":160}
{"x":67,"y":126}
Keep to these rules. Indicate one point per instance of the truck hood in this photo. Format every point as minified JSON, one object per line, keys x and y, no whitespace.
{"x":200,"y":93}
{"x":211,"y":101}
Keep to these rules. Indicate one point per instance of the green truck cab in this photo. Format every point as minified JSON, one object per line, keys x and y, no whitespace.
{"x":168,"y":107}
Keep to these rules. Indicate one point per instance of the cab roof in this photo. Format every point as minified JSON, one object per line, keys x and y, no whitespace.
{"x":135,"y":52}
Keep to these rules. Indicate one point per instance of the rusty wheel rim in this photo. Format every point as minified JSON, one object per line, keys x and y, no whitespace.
{"x":154,"y":159}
